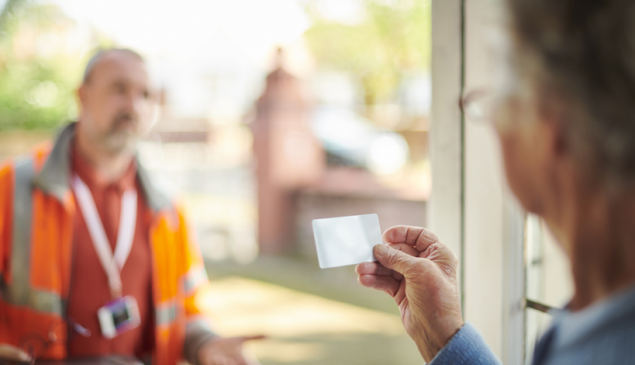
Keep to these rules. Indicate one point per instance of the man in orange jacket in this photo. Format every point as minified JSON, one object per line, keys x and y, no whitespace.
{"x":95,"y":260}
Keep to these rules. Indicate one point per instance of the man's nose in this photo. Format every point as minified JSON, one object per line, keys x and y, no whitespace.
{"x":136,"y":103}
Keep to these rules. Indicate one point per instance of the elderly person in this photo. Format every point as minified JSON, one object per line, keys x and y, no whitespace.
{"x":567,"y":136}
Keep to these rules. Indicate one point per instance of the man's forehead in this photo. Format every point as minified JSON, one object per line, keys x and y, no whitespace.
{"x":119,"y":64}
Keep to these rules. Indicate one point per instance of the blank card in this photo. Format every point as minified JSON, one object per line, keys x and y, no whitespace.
{"x":346,"y":240}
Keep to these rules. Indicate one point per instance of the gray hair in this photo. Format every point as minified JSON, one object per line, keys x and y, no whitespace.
{"x":583,"y":53}
{"x":99,"y":56}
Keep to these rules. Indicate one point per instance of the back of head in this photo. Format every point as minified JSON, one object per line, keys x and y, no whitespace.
{"x":582,"y":53}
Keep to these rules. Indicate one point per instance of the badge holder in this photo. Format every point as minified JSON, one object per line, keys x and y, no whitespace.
{"x":119,"y":316}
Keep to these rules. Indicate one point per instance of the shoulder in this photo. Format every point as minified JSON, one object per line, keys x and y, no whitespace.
{"x":35,"y":157}
{"x":610,"y":343}
{"x":613,"y":343}
{"x":6,"y":170}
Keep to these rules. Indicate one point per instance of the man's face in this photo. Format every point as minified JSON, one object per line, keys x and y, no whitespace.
{"x":117,"y":105}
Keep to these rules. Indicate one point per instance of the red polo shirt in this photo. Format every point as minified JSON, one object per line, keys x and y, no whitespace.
{"x":89,"y":284}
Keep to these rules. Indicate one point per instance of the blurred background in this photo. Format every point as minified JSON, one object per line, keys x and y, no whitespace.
{"x":273,"y":113}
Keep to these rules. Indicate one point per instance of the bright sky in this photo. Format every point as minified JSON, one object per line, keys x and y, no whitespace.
{"x":189,"y":28}
{"x":202,"y":50}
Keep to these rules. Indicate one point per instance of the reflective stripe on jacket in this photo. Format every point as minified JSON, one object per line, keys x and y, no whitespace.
{"x":36,"y":248}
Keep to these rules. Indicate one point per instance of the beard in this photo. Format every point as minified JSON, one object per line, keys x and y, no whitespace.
{"x":123,"y":134}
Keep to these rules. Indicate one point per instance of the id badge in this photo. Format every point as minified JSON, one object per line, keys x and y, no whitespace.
{"x":119,"y":316}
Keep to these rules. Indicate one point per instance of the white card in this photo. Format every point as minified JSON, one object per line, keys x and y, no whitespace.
{"x":346,"y":240}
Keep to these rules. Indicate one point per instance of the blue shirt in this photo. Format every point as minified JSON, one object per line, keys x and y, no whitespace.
{"x":604,"y":333}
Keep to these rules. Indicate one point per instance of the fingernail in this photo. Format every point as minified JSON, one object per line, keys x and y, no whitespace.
{"x":381,"y":249}
{"x":25,"y":357}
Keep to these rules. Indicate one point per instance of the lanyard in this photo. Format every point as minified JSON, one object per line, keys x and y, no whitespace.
{"x":112,"y":264}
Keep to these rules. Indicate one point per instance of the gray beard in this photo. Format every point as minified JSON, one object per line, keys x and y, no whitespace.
{"x":117,"y":142}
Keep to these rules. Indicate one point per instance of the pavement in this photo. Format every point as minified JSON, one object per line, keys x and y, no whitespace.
{"x":306,"y":329}
{"x":315,"y":316}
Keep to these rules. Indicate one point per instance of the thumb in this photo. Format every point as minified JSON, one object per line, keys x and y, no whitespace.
{"x":394,"y":259}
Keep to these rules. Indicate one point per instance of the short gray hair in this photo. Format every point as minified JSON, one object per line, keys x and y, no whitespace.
{"x":100,"y":54}
{"x":583,"y":52}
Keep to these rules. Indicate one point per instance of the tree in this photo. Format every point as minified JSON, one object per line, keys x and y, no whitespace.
{"x":394,"y":39}
{"x":9,"y":5}
{"x":38,"y":70}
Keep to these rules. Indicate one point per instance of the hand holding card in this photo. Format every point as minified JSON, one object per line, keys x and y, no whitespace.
{"x":346,"y":240}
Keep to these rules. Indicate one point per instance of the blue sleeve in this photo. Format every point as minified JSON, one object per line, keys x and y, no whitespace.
{"x":466,"y":347}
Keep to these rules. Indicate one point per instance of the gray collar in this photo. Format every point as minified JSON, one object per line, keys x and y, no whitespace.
{"x":575,"y":326}
{"x":54,"y":177}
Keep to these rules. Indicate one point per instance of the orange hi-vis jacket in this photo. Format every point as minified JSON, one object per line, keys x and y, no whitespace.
{"x":36,"y":252}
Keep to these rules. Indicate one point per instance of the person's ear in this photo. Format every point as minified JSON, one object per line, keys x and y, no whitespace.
{"x":552,"y":131}
{"x":80,"y":94}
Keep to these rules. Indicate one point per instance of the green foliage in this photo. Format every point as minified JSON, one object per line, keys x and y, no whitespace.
{"x":38,"y":67}
{"x":394,"y":39}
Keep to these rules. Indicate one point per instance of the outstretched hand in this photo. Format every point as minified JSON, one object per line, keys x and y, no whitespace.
{"x":419,"y":272}
{"x":8,"y":352}
{"x":227,"y":351}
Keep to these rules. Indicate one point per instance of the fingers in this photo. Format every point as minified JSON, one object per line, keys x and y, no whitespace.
{"x":406,"y":248}
{"x":394,"y":259}
{"x":387,"y":284}
{"x":244,"y":358}
{"x":226,"y":351}
{"x":242,"y":339}
{"x":220,"y":360}
{"x":13,"y":353}
{"x":374,"y":268}
{"x":418,"y":237}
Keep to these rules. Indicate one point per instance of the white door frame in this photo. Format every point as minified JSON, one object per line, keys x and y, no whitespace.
{"x":471,"y":209}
